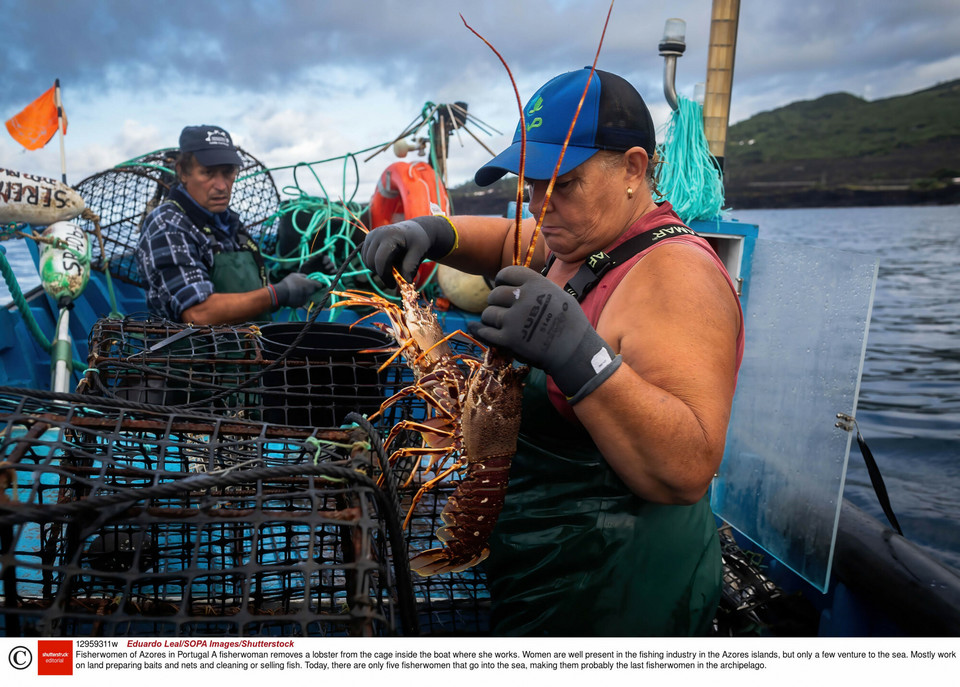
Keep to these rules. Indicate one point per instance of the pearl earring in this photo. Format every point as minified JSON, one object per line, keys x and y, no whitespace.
{"x":629,"y":193}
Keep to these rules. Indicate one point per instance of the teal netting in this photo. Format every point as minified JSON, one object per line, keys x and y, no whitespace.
{"x":690,"y":177}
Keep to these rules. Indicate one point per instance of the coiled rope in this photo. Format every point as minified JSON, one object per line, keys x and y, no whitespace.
{"x":328,"y":228}
{"x":330,"y":225}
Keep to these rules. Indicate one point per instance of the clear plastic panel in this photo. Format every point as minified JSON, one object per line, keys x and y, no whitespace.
{"x":781,"y":481}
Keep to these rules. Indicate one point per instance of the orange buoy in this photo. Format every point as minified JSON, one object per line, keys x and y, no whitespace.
{"x":406,"y":190}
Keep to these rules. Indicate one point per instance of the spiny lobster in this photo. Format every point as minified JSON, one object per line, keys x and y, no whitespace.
{"x":472,"y":423}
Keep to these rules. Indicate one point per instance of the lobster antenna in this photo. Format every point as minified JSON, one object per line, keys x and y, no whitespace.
{"x":523,"y":144}
{"x":553,"y":179}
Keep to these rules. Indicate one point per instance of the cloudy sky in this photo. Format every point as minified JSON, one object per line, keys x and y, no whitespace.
{"x":305,"y":80}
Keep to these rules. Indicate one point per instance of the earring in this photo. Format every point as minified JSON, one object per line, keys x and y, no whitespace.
{"x":629,"y":193}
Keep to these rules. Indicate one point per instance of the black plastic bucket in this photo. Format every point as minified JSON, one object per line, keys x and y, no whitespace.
{"x":332,"y":371}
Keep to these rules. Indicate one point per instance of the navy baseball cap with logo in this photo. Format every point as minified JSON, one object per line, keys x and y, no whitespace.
{"x":613,"y":117}
{"x":211,"y":145}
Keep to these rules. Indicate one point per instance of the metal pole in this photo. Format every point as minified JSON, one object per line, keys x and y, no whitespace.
{"x":63,"y":154}
{"x":672,"y":46}
{"x":62,"y":353}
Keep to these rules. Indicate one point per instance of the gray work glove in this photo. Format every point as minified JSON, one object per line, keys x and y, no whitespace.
{"x":293,"y":291}
{"x":405,"y":245}
{"x":544,"y":326}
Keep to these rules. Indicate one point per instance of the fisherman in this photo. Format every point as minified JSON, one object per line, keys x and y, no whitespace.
{"x":606,"y":529}
{"x":196,"y":261}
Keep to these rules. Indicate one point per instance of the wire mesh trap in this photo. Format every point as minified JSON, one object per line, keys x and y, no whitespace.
{"x":255,"y":373}
{"x":124,"y":195}
{"x":171,"y":393}
{"x":116,"y":522}
{"x":751,"y":603}
{"x":209,"y":482}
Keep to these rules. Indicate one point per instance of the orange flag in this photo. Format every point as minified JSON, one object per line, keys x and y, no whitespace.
{"x":35,"y":126}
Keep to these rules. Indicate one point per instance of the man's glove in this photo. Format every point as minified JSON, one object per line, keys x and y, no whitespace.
{"x":544,"y":326}
{"x":294,"y":290}
{"x":406,"y":244}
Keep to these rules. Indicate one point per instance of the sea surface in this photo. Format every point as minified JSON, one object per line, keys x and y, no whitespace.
{"x":19,"y":259}
{"x":909,"y":407}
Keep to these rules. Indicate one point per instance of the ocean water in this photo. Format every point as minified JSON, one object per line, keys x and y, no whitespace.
{"x":909,"y":407}
{"x":18,"y":258}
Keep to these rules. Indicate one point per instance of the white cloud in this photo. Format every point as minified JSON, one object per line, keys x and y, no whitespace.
{"x":305,"y":81}
{"x":939,"y":71}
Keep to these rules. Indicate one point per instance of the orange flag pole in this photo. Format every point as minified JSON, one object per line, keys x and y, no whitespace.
{"x":60,"y":128}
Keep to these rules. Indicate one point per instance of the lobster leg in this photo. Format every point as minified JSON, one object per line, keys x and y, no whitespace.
{"x":472,"y":421}
{"x":427,"y":487}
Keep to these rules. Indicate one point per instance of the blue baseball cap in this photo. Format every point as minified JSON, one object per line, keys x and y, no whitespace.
{"x":211,"y":145}
{"x":613,"y":117}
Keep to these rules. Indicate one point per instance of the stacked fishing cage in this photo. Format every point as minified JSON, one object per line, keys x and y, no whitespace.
{"x":124,"y":522}
{"x":218,"y":480}
{"x":223,"y":481}
{"x":124,"y":195}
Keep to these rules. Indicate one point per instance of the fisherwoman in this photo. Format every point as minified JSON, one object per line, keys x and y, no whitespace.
{"x":607,"y":528}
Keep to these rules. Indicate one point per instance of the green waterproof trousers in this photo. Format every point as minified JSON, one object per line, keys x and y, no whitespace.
{"x":577,"y":554}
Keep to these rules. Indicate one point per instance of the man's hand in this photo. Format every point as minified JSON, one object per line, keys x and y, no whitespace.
{"x":293,"y":291}
{"x":544,"y":326}
{"x":405,"y":245}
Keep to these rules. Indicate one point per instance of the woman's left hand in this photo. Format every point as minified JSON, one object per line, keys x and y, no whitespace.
{"x":544,"y":326}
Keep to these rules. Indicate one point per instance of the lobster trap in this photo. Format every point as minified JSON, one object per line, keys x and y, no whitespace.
{"x":122,"y":522}
{"x":124,"y":195}
{"x":216,"y":480}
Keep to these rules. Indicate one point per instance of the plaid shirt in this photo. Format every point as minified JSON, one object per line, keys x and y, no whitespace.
{"x":175,"y":255}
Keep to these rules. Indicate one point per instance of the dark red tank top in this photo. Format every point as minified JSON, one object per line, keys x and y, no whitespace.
{"x":596,"y":299}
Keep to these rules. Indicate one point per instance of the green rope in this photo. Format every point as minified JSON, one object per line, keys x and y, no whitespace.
{"x":328,"y":225}
{"x":689,"y":177}
{"x":321,"y":234}
{"x":320,"y":445}
{"x":114,"y":311}
{"x":134,"y":163}
{"x":294,"y":166}
{"x":12,"y":231}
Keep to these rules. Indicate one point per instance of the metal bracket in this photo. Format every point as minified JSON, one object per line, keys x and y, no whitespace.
{"x":846,"y":422}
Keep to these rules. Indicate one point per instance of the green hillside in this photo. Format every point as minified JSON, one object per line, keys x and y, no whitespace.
{"x":843,"y":125}
{"x":900,"y":149}
{"x":836,"y":150}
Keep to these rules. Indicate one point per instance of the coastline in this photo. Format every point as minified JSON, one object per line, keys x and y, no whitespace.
{"x":493,"y":202}
{"x":770,"y":199}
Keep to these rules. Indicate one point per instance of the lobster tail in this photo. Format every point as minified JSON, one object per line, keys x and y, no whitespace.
{"x":440,"y":560}
{"x":469,"y":517}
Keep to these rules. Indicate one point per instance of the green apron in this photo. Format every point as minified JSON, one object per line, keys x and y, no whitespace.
{"x":238,"y":272}
{"x":233,"y":271}
{"x":576,"y":554}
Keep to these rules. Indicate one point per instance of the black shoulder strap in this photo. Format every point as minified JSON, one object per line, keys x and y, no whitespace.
{"x":599,"y":263}
{"x":247,"y":242}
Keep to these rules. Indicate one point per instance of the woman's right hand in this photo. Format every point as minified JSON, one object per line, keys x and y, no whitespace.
{"x":405,"y":245}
